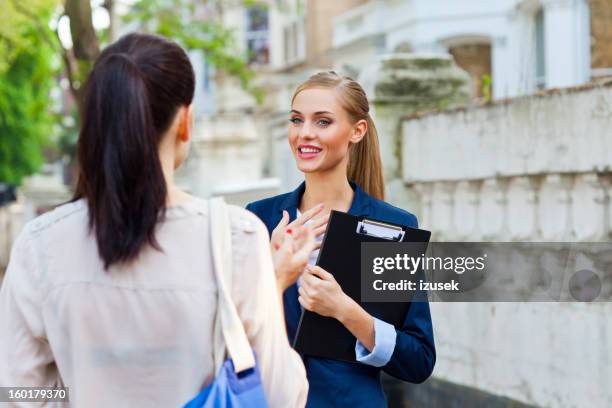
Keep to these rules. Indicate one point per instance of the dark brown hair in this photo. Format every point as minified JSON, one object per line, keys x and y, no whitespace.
{"x":130,"y":100}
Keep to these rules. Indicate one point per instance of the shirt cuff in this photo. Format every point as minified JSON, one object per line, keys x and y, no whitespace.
{"x":384,"y":345}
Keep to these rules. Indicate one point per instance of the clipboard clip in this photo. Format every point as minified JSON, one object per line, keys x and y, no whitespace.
{"x":380,"y":230}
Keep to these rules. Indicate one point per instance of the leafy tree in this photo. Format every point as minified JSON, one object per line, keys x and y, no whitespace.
{"x":24,"y":26}
{"x":28,"y":47}
{"x":197,"y":25}
{"x":26,"y":77}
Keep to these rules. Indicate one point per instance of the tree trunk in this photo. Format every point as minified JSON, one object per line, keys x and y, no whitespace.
{"x":84,"y":39}
{"x":109,"y":5}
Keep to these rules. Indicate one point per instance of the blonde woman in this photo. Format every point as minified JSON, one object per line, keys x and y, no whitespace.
{"x":335,"y":144}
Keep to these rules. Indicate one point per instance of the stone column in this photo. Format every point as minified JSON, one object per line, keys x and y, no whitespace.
{"x":43,"y":191}
{"x":226,"y":154}
{"x":402,"y":84}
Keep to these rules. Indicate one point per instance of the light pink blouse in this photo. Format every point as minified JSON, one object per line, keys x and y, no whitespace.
{"x":139,"y":334}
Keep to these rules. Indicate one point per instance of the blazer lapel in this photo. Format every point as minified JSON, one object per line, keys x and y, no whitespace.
{"x":361,"y":204}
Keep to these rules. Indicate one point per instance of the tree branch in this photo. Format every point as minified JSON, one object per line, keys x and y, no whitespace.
{"x":69,"y":64}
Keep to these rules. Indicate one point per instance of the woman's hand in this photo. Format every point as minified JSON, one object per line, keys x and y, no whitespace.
{"x":293,"y":243}
{"x":291,"y":256}
{"x":320,"y":293}
{"x":318,"y":225}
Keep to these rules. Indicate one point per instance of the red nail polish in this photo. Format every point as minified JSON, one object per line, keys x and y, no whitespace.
{"x":276,"y":246}
{"x":289,"y":231}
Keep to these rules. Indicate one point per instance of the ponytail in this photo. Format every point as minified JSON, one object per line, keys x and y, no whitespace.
{"x":365,"y":165}
{"x":130,"y":100}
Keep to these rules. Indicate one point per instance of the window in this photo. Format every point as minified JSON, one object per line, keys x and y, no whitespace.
{"x":257,"y":35}
{"x":540,"y":54}
{"x":475,"y":58}
{"x":293,"y":41}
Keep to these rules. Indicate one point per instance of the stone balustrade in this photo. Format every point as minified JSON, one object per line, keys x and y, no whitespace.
{"x":536,"y":169}
{"x":552,"y":207}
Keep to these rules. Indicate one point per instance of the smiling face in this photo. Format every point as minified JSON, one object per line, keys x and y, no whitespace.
{"x":321,"y":131}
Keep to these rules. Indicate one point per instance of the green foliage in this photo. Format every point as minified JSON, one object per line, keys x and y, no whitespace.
{"x":25,"y":82}
{"x":23,"y":24}
{"x":487,"y":86}
{"x":197,"y":26}
{"x":31,"y":55}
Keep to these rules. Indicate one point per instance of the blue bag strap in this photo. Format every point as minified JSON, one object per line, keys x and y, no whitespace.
{"x":228,"y":321}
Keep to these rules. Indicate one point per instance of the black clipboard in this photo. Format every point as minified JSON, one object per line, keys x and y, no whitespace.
{"x":340,"y":255}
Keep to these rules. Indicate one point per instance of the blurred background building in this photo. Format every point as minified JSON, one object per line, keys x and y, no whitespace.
{"x":494,"y":118}
{"x":509,"y":48}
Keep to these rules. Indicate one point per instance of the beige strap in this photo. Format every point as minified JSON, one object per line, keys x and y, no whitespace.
{"x":228,"y":321}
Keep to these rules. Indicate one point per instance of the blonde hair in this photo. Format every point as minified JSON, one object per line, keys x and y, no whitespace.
{"x":364,"y":164}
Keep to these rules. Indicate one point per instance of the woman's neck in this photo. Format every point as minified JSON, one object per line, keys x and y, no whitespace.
{"x":174,"y":195}
{"x":333,"y":190}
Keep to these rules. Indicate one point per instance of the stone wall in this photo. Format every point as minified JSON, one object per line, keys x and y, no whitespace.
{"x":535,"y":168}
{"x":38,"y":194}
{"x":11,"y":222}
{"x":402,"y":83}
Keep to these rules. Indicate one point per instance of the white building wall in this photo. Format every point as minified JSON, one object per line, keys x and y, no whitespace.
{"x":549,"y":355}
{"x":533,"y":169}
{"x":430,"y":26}
{"x":355,"y":39}
{"x":568,"y":41}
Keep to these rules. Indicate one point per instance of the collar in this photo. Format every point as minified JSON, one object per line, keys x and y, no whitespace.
{"x":359,"y":207}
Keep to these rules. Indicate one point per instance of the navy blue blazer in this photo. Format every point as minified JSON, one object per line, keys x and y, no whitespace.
{"x":340,"y":384}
